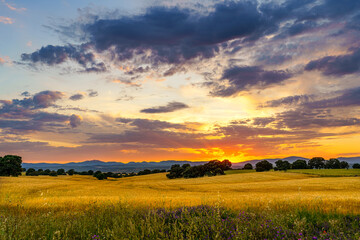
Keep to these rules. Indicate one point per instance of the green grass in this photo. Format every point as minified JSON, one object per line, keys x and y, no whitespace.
{"x":328,"y":172}
{"x":238,"y":171}
{"x":200,"y":222}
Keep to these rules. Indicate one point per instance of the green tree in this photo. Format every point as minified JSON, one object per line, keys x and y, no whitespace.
{"x":71,"y":172}
{"x":282,"y":165}
{"x":248,"y":166}
{"x":10,"y":165}
{"x":333,"y":163}
{"x":263,"y":166}
{"x":316,"y":162}
{"x":101,"y":176}
{"x":53,"y":173}
{"x":344,"y":164}
{"x":356,"y":166}
{"x":61,"y":171}
{"x":299,"y":164}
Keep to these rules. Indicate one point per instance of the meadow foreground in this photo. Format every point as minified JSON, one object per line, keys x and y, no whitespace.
{"x":239,"y":205}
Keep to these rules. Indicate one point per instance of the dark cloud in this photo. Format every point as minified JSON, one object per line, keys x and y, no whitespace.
{"x":170,"y":107}
{"x":170,"y":35}
{"x":348,"y":98}
{"x":76,"y":97}
{"x":337,"y":65}
{"x":175,"y":35}
{"x":93,"y":93}
{"x":242,"y":78}
{"x":344,"y":98}
{"x":305,"y":118}
{"x":290,"y":100}
{"x":75,"y":120}
{"x":25,"y":94}
{"x":40,"y":100}
{"x":30,"y":112}
{"x":141,"y":123}
{"x":53,"y":55}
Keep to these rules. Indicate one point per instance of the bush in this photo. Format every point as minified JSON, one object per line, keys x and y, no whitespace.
{"x":248,"y":166}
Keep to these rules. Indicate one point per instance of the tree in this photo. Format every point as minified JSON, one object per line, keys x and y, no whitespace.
{"x":47,"y":172}
{"x":299,"y":164}
{"x":61,"y":171}
{"x":316,"y":162}
{"x":263,"y":166}
{"x":53,"y":173}
{"x":344,"y":164}
{"x":71,"y":172}
{"x":248,"y":166}
{"x":226,"y":165}
{"x":333,"y":163}
{"x":101,"y":176}
{"x":95,"y":173}
{"x":30,"y":172}
{"x":10,"y":165}
{"x":356,"y":166}
{"x":282,"y":165}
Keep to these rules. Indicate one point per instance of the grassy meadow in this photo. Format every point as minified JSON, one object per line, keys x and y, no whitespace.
{"x":154,"y":207}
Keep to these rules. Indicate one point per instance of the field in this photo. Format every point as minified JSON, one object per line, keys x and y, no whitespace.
{"x":40,"y":204}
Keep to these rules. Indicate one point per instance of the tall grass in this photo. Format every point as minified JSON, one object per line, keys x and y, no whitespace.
{"x":200,"y":222}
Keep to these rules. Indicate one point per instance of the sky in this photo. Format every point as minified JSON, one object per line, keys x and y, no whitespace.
{"x":153,"y":80}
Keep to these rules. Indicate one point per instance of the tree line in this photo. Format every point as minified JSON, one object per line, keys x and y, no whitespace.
{"x":314,"y":163}
{"x":212,"y":168}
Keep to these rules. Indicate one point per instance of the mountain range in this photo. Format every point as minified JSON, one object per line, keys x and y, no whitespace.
{"x":139,"y":166}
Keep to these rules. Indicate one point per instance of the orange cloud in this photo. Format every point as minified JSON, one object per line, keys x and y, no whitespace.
{"x":5,"y":60}
{"x":6,"y":20}
{"x":12,"y":7}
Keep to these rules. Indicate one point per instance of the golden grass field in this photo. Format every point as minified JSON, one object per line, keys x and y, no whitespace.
{"x":236,"y":190}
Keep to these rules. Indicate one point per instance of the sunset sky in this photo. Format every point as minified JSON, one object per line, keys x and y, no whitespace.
{"x":153,"y":80}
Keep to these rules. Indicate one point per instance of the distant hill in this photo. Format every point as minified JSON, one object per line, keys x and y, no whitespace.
{"x":139,"y":166}
{"x":109,"y":166}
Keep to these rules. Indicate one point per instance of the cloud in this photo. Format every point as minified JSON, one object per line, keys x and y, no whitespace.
{"x":305,"y":118}
{"x":241,"y":78}
{"x":75,"y":120}
{"x":30,"y":113}
{"x":170,"y":107}
{"x":44,"y":99}
{"x":25,"y":94}
{"x":344,"y":98}
{"x":93,"y":93}
{"x":290,"y":100}
{"x":76,"y":97}
{"x":53,"y":55}
{"x":148,"y":124}
{"x":11,"y":7}
{"x":337,"y":65}
{"x":169,"y":35}
{"x":348,"y":98}
{"x":6,"y":20}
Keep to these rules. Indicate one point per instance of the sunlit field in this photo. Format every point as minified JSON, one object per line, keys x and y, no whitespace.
{"x":277,"y":190}
{"x":40,"y":199}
